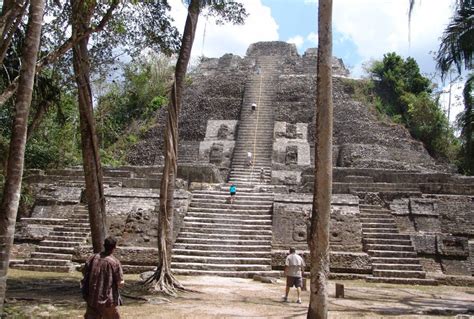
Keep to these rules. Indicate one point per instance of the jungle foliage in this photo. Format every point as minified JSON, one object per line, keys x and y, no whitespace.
{"x":407,"y":97}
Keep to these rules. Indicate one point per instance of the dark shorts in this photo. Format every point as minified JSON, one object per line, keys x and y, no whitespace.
{"x":232,"y":193}
{"x":294,"y":281}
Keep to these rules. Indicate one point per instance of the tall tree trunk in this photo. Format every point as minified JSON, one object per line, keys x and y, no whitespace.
{"x":319,"y":235}
{"x":12,"y":14}
{"x":163,"y":279}
{"x":16,"y":158}
{"x":81,"y":16}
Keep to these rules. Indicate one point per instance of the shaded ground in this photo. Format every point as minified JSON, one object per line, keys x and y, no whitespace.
{"x":52,"y":295}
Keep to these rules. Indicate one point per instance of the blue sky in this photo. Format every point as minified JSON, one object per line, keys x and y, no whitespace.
{"x":363,"y":30}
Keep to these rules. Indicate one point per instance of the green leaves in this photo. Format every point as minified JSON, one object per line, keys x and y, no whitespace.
{"x":406,"y":98}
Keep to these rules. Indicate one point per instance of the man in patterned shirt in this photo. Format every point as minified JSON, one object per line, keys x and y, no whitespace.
{"x":103,"y":276}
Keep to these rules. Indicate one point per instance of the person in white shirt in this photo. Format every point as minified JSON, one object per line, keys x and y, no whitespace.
{"x":294,"y":269}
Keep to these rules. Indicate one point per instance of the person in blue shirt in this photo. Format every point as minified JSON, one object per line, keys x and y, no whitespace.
{"x":233,"y":191}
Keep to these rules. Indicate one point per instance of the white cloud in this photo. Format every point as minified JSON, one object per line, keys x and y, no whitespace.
{"x":218,"y":40}
{"x":312,"y":38}
{"x":298,"y":40}
{"x":378,"y":27}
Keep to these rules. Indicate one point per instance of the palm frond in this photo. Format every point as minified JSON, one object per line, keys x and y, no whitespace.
{"x":457,"y":43}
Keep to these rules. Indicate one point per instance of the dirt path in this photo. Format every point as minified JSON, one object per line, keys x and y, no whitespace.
{"x":50,"y":295}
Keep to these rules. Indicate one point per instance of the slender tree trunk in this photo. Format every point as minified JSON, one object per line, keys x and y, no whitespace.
{"x":12,"y":14}
{"x":319,"y":236}
{"x":163,"y":280}
{"x":38,"y":118}
{"x":16,"y":158}
{"x":82,"y":13}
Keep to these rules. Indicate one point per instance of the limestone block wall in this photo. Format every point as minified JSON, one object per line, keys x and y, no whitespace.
{"x":291,"y":153}
{"x":291,"y":213}
{"x":440,"y":227}
{"x":218,"y":144}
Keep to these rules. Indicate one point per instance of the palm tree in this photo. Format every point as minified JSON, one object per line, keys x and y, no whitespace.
{"x":163,"y":279}
{"x":457,"y":43}
{"x":456,"y":50}
{"x":16,"y":158}
{"x":318,"y":241}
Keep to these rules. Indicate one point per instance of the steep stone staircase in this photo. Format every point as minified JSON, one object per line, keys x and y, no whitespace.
{"x":219,"y":238}
{"x":392,"y":254}
{"x":255,"y":133}
{"x":55,"y":252}
{"x":234,"y":240}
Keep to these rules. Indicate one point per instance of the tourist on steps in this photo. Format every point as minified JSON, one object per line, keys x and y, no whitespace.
{"x":233,"y":191}
{"x":103,"y":276}
{"x":249,"y":159}
{"x":262,"y":175}
{"x":254,"y":106}
{"x":294,"y":269}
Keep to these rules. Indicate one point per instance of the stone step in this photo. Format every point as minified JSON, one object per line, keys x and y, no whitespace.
{"x":75,"y":224}
{"x":222,"y":260}
{"x":222,"y":201}
{"x":380,"y":247}
{"x":388,"y":241}
{"x":72,"y":229}
{"x":374,"y":215}
{"x":223,"y":247}
{"x":220,"y":267}
{"x":48,"y":262}
{"x":226,"y":230}
{"x":403,"y":281}
{"x":248,"y":211}
{"x":255,"y":163}
{"x":44,"y":221}
{"x":229,"y":215}
{"x":54,"y":243}
{"x":54,"y":250}
{"x":247,"y":170}
{"x":255,"y":176}
{"x":394,"y":260}
{"x":69,"y":234}
{"x":217,"y":241}
{"x":374,"y":210}
{"x":416,"y":267}
{"x":66,"y":238}
{"x":44,"y":268}
{"x":369,"y":206}
{"x":371,"y":220}
{"x":220,"y":253}
{"x":244,"y":166}
{"x":39,"y":255}
{"x":390,"y":253}
{"x":380,"y":235}
{"x":366,"y":231}
{"x":378,"y":225}
{"x":251,"y":196}
{"x":241,"y":274}
{"x":227,"y":225}
{"x":79,"y":220}
{"x":183,"y":234}
{"x":229,"y":221}
{"x":399,"y":273}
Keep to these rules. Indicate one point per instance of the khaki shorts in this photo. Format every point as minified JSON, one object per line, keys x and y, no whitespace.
{"x":294,"y":281}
